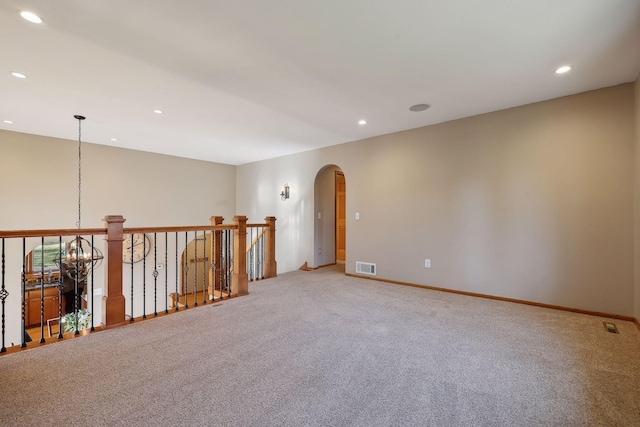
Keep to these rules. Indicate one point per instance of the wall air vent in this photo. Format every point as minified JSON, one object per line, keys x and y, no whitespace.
{"x":365,"y":268}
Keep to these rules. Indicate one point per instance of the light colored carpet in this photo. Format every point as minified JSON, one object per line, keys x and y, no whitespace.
{"x":319,"y":348}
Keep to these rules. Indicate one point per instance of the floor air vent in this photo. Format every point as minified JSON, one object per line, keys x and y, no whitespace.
{"x":611,"y":328}
{"x":365,"y":268}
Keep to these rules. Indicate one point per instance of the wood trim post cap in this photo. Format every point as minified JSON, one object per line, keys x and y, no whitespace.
{"x":113,"y":219}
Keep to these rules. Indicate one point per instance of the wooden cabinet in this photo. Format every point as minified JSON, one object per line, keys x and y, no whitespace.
{"x":33,"y":305}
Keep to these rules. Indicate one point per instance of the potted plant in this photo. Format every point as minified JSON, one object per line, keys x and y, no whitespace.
{"x":84,"y":320}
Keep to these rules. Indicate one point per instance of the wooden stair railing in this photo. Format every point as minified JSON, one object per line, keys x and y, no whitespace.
{"x":268,"y":232}
{"x":113,"y":300}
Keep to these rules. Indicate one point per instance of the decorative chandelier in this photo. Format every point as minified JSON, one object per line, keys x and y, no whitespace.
{"x":80,"y":257}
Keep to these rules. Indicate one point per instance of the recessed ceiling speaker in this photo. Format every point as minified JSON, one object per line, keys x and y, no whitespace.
{"x":419,"y":107}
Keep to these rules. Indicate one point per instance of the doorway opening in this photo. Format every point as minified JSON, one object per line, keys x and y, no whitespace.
{"x":330,"y":225}
{"x":341,"y":217}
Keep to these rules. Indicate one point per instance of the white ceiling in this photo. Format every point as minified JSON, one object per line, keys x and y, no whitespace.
{"x":245,"y":80}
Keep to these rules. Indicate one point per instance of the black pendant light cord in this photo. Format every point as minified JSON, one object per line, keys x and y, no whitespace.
{"x":80,"y":119}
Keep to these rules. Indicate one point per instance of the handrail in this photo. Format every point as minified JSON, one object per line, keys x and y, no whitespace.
{"x":51,"y":233}
{"x":9,"y":234}
{"x":173,"y":229}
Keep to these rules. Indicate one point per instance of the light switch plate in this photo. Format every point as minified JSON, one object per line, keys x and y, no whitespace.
{"x":357,"y":215}
{"x":427,"y":263}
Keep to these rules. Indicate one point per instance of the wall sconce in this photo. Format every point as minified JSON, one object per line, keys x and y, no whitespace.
{"x":285,"y":192}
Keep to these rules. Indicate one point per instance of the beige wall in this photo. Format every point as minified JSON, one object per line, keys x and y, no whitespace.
{"x":637,"y":198}
{"x":39,"y":190}
{"x":148,"y":189}
{"x":534,"y":203}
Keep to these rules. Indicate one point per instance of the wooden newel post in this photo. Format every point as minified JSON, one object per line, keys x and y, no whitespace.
{"x":240,"y":280}
{"x":270,"y":265}
{"x":113,"y":301}
{"x":216,"y":257}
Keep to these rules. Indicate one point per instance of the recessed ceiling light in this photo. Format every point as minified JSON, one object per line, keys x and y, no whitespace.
{"x":563,"y":69}
{"x":9,"y":122}
{"x":419,"y":107}
{"x":18,"y":75}
{"x":362,"y":122}
{"x":114,"y":139}
{"x":31,"y":17}
{"x":158,"y":111}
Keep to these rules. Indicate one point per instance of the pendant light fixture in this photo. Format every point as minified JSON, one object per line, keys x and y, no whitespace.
{"x":80,"y":257}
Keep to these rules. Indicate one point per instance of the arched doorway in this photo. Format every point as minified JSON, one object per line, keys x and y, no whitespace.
{"x":329,"y":216}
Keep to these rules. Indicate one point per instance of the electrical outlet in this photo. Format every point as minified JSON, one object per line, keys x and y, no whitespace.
{"x":319,"y":250}
{"x":427,"y":263}
{"x":319,"y":215}
{"x":97,"y":291}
